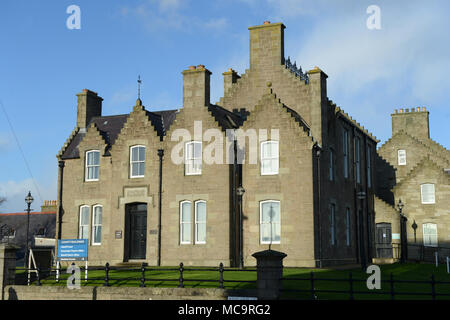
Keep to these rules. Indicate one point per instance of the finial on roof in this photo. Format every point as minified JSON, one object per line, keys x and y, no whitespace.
{"x":139,"y":81}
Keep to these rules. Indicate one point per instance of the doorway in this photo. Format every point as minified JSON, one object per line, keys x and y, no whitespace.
{"x":384,"y":240}
{"x":135,"y":231}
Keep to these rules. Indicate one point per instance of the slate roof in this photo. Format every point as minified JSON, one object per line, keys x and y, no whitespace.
{"x":110,"y":126}
{"x":18,"y":222}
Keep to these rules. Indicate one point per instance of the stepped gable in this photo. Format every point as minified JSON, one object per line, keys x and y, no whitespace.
{"x":417,"y":167}
{"x":108,"y":126}
{"x":437,"y":151}
{"x":294,"y":115}
{"x":68,"y":143}
{"x":341,"y":112}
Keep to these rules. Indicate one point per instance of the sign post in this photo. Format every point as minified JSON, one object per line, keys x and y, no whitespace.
{"x":73,"y":250}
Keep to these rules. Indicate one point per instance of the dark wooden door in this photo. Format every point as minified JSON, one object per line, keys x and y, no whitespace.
{"x":384,"y":240}
{"x":136,"y":231}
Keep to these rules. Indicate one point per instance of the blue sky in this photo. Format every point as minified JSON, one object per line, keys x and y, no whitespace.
{"x":43,"y":65}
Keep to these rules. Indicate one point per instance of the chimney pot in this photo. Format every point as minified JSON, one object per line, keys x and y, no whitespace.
{"x":267,"y":22}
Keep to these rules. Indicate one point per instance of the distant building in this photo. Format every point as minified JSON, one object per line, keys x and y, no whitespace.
{"x":13,"y":227}
{"x":413,"y":168}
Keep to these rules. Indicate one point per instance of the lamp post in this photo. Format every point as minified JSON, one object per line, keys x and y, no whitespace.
{"x":361,"y":196}
{"x":240,"y":192}
{"x":28,"y":199}
{"x":400,"y":206}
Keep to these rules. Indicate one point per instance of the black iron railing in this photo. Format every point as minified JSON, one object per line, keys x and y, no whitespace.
{"x":314,"y":293}
{"x":141,"y":275}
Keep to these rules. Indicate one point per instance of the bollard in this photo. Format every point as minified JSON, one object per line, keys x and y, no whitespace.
{"x":221,"y":275}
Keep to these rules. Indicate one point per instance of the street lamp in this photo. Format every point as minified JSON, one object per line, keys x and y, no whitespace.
{"x":28,"y":199}
{"x":271,"y":214}
{"x":403,"y":248}
{"x":240,"y":192}
{"x":361,"y":196}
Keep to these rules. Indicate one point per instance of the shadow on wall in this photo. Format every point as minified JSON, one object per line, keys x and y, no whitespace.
{"x":385,"y":180}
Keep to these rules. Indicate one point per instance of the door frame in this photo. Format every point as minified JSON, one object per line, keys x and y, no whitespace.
{"x":128,"y":226}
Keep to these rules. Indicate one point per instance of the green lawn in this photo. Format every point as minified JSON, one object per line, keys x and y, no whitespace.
{"x":160,"y":277}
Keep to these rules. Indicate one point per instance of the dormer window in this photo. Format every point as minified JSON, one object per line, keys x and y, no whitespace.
{"x":92,"y":165}
{"x":137,"y":161}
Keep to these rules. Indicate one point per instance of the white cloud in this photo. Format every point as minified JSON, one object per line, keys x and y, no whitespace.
{"x":16,"y":191}
{"x":163,"y":15}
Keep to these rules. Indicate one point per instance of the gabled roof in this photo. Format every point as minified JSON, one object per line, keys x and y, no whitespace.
{"x":110,"y":127}
{"x":419,"y":166}
{"x":225,"y":118}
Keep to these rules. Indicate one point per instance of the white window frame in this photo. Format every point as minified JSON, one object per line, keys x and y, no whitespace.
{"x":262,"y":158}
{"x":87,"y":166}
{"x":348,"y":227}
{"x":433,"y":201}
{"x":137,"y":161}
{"x":189,"y":161}
{"x":401,"y":155}
{"x":84,"y":225}
{"x":197,"y":222}
{"x":185,"y":222}
{"x":261,"y":241}
{"x":427,"y":225}
{"x":332,"y":224}
{"x":94,"y":225}
{"x":345,"y":151}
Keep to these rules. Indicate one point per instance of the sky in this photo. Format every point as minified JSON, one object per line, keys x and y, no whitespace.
{"x":44,"y":64}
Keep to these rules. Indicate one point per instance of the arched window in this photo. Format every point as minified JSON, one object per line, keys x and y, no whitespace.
{"x":92,"y":165}
{"x":270,"y":221}
{"x":83,"y":229}
{"x":269,"y":158}
{"x":193,"y":158}
{"x":97,"y":225}
{"x":200,"y":222}
{"x":137,"y":161}
{"x":185,"y":222}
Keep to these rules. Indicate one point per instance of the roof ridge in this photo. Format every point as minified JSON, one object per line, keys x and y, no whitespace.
{"x":338,"y":109}
{"x":419,"y":164}
{"x":68,"y":141}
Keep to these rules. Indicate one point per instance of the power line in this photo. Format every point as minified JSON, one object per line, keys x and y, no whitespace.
{"x":21,"y":151}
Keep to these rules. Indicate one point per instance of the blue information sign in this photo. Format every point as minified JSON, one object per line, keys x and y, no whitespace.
{"x":73,"y":249}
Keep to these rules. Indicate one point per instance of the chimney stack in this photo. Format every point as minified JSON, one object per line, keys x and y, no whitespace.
{"x":414,"y":122}
{"x":196,"y":86}
{"x":89,"y":105}
{"x":266,"y":45}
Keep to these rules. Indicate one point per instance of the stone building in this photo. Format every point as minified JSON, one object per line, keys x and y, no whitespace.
{"x":413,"y":169}
{"x":165,"y":187}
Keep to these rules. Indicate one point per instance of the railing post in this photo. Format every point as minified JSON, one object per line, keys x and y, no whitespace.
{"x":106,"y":284}
{"x":221,"y":275}
{"x":143,"y":275}
{"x":433,"y":288}
{"x":391,"y":280}
{"x":181,"y":285}
{"x":269,"y":279}
{"x":38,"y":279}
{"x":351,"y":285}
{"x":313,"y":291}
